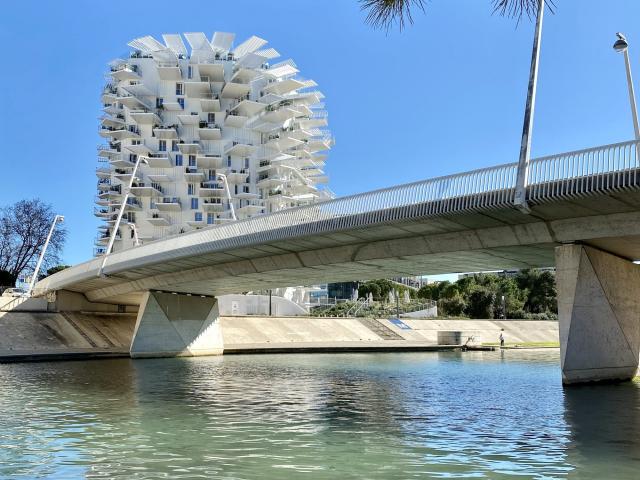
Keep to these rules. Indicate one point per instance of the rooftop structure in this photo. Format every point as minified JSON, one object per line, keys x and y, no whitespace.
{"x":217,"y":134}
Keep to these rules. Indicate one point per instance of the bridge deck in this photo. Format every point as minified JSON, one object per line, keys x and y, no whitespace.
{"x":461,"y":222}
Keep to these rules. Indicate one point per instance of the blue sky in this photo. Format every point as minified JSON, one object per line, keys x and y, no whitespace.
{"x":443,"y":96}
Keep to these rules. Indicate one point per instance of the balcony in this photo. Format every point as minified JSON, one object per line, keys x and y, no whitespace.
{"x":191,"y":148}
{"x":158,"y":160}
{"x":145,"y":117}
{"x":240,"y":148}
{"x":122,"y":162}
{"x":248,"y":108}
{"x":119,"y":133}
{"x":234,"y":119}
{"x":158,"y":220}
{"x":212,"y":205}
{"x":196,"y":223}
{"x":211,"y":189}
{"x":169,"y":71}
{"x":139,"y":149}
{"x":159,"y":178}
{"x":115,"y":121}
{"x":167,"y":132}
{"x":195,"y":89}
{"x":122,"y":174}
{"x":167,"y":204}
{"x":192,"y":175}
{"x":283,"y":87}
{"x":101,"y":212}
{"x":132,"y":102}
{"x":104,"y":184}
{"x":141,"y":189}
{"x":103,"y":172}
{"x":209,"y":161}
{"x":253,"y":207}
{"x":125,"y":71}
{"x":210,"y":102}
{"x":214,"y":72}
{"x":282,"y":141}
{"x":235,"y":90}
{"x":132,"y":205}
{"x":209,"y":131}
{"x":189,"y":119}
{"x":237,"y":176}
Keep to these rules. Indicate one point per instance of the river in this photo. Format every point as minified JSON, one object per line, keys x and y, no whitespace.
{"x":315,"y":416}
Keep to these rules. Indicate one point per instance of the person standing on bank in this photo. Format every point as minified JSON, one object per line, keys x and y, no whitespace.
{"x":501,"y":338}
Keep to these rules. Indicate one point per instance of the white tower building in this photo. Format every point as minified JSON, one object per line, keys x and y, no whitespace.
{"x":218,"y":133}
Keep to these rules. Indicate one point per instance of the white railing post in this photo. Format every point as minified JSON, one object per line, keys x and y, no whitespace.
{"x":57,"y":219}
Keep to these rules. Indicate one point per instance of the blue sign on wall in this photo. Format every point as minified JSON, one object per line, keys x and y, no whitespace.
{"x":400,"y":324}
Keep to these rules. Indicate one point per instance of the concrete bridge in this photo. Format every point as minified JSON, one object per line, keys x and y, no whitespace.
{"x":584,"y":219}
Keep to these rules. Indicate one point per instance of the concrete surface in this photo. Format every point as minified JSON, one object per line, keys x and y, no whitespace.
{"x":47,"y":335}
{"x":172,"y":325}
{"x":598,"y":308}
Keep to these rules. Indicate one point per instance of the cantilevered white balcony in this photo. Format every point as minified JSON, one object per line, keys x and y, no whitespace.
{"x":235,"y":90}
{"x":248,"y":108}
{"x":118,"y":133}
{"x":210,"y":102}
{"x":196,"y":223}
{"x":138,"y":89}
{"x":132,"y":102}
{"x":195,"y":89}
{"x":145,"y":117}
{"x":212,"y":205}
{"x":103,"y":172}
{"x":282,"y":141}
{"x":237,"y":176}
{"x":166,"y":132}
{"x":142,"y":189}
{"x":213,"y":71}
{"x":112,"y":121}
{"x":139,"y":149}
{"x":167,"y":204}
{"x":234,"y":119}
{"x":124,"y":71}
{"x":193,"y":175}
{"x":158,"y":220}
{"x":132,"y":205}
{"x":190,"y":148}
{"x":187,"y":119}
{"x":252,"y":207}
{"x":101,"y":212}
{"x":211,"y":189}
{"x":158,"y":160}
{"x":209,"y":161}
{"x":169,"y":71}
{"x":240,"y":148}
{"x":159,"y":178}
{"x":209,"y":131}
{"x":122,"y":162}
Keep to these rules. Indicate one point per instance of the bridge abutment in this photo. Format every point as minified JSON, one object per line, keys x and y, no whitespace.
{"x":173,"y":325}
{"x":599,"y":314}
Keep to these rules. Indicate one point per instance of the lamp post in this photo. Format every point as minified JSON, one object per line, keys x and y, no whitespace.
{"x":228,"y":192}
{"x":622,"y":46}
{"x":56,"y":220}
{"x":116,"y":226}
{"x":520,"y":199}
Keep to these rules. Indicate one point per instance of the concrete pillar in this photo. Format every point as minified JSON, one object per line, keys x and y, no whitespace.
{"x":599,"y":314}
{"x":171,"y":325}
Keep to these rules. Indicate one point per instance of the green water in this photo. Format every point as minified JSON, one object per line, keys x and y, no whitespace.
{"x":378,"y":416}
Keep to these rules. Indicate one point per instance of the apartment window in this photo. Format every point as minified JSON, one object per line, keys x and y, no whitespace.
{"x":198,"y":216}
{"x":179,"y":89}
{"x":211,"y":218}
{"x":181,"y":103}
{"x":162,"y":145}
{"x":159,"y":101}
{"x":133,"y":142}
{"x":246,"y":163}
{"x":236,"y":189}
{"x":174,"y":146}
{"x":191,"y":189}
{"x":212,"y":175}
{"x":194,"y":204}
{"x":133,"y":157}
{"x":189,"y":71}
{"x":211,"y":118}
{"x":192,"y":160}
{"x":228,"y":160}
{"x":245,"y":189}
{"x":178,"y":160}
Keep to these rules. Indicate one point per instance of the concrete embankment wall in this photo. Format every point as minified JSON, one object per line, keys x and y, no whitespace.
{"x":25,"y":335}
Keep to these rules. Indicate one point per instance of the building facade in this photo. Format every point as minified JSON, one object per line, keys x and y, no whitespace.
{"x":203,"y":135}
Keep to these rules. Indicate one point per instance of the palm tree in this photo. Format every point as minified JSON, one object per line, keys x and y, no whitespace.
{"x":384,"y":13}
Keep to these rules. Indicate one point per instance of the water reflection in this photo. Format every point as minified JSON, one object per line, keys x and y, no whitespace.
{"x":315,"y":416}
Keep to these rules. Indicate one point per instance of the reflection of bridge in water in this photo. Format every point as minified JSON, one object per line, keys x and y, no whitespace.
{"x":585,"y":213}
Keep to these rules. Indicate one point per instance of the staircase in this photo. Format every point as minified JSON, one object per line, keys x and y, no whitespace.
{"x":379,"y":329}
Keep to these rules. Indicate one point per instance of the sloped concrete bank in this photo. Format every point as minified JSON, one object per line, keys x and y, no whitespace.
{"x":67,"y":335}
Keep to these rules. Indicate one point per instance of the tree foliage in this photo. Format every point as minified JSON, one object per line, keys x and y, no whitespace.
{"x":530,"y":294}
{"x":24,"y":227}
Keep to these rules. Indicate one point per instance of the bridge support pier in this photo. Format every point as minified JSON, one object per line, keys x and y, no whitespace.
{"x":599,"y":314}
{"x":174,"y":325}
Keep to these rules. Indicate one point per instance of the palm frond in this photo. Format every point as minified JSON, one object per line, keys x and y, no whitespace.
{"x":384,"y":13}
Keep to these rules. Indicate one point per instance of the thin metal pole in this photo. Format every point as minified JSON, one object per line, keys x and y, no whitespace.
{"x":632,"y":95}
{"x":116,"y":226}
{"x":269,"y":302}
{"x":520,"y":199}
{"x":229,"y":199}
{"x":34,"y":279}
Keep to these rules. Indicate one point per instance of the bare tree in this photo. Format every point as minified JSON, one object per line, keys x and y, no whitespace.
{"x":385,"y":13}
{"x":24,"y":227}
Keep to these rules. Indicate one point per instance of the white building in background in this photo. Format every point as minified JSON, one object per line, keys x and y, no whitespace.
{"x":219,"y":132}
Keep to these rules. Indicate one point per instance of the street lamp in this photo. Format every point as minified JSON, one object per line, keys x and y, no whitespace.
{"x":56,"y":220}
{"x":228,"y":193}
{"x":622,"y":46}
{"x":520,"y":198}
{"x":116,"y":226}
